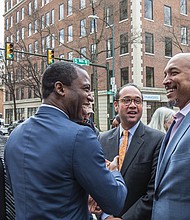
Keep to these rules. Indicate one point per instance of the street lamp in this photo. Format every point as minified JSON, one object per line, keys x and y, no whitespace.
{"x":113,"y":56}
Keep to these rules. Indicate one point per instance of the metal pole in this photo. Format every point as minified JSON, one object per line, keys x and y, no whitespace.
{"x":113,"y":72}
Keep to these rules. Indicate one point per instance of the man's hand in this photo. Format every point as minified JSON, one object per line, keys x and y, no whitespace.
{"x":114,"y":164}
{"x":93,"y":206}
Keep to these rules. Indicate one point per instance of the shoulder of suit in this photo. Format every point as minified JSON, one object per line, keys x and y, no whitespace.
{"x":153,"y":131}
{"x":109,"y":132}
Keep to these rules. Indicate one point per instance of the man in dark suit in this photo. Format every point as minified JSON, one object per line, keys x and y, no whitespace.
{"x":139,"y":166}
{"x":52,"y":162}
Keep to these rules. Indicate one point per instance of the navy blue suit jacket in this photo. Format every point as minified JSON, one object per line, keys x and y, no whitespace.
{"x":53,"y":164}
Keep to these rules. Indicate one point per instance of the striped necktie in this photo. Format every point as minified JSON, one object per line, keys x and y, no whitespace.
{"x":122,"y":148}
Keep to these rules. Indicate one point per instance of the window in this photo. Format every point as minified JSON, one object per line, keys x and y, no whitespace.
{"x":36,"y":46}
{"x":149,"y":76}
{"x":70,"y":33}
{"x":52,"y":16}
{"x":70,"y":55}
{"x":183,"y":7}
{"x":30,"y":8}
{"x":42,"y":20}
{"x":11,"y":21}
{"x":83,"y":52}
{"x":61,"y":11}
{"x":17,"y":17}
{"x":124,"y":43}
{"x":61,"y":36}
{"x":29,"y":29}
{"x":35,"y":5}
{"x":29,"y":93}
{"x":69,"y":5}
{"x":167,"y":15}
{"x":109,"y":48}
{"x":83,"y":27}
{"x":123,"y":9}
{"x":22,"y":93}
{"x":124,"y":75}
{"x":43,"y":3}
{"x":43,"y":44}
{"x":168,"y":47}
{"x":109,"y":15}
{"x":92,"y":48}
{"x":30,"y":48}
{"x":82,"y":4}
{"x":48,"y":41}
{"x":47,"y":19}
{"x":7,"y":24}
{"x":149,"y":43}
{"x":17,"y":36}
{"x":148,"y":9}
{"x":184,"y":38}
{"x":22,"y":33}
{"x":22,"y":14}
{"x":93,"y":25}
{"x":35,"y":26}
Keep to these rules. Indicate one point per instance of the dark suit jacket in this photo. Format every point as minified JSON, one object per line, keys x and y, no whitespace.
{"x":53,"y":163}
{"x":138,"y":170}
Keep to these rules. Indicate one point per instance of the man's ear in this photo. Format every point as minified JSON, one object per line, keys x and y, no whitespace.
{"x":116,"y":106}
{"x":59,"y":88}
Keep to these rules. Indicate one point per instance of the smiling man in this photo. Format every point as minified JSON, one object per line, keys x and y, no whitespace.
{"x":52,"y":162}
{"x":172,"y":183}
{"x":139,"y":166}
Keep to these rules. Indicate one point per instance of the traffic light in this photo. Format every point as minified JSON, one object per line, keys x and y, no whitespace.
{"x":9,"y":50}
{"x":50,"y":56}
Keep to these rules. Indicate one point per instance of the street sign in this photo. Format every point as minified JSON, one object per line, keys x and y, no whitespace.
{"x":81,"y":61}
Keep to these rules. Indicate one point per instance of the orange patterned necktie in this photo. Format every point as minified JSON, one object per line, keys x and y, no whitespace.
{"x":123,"y":147}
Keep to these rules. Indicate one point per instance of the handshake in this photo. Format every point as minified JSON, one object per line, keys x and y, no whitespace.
{"x":113,"y":165}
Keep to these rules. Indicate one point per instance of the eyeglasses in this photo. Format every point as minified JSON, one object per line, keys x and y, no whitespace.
{"x":128,"y":101}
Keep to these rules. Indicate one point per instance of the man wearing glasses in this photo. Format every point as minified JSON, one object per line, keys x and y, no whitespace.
{"x":140,"y":160}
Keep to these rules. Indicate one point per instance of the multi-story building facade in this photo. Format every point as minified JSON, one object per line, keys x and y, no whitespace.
{"x":136,"y":39}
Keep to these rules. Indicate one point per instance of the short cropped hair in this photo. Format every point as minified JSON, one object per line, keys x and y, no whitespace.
{"x":117,"y":96}
{"x":59,"y":71}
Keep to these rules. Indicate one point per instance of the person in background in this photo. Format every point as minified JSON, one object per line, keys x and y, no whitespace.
{"x":140,"y":161}
{"x":162,"y":119}
{"x":87,"y":120}
{"x":116,"y":121}
{"x":172,"y":183}
{"x":52,"y":162}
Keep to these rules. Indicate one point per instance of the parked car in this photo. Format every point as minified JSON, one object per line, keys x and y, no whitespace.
{"x":13,"y":125}
{"x":3,"y":128}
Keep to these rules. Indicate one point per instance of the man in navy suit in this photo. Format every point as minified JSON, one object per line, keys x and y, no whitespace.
{"x":53,"y":163}
{"x":139,"y":166}
{"x":172,"y":183}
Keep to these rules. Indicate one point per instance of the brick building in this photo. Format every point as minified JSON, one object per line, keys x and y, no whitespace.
{"x":136,"y":39}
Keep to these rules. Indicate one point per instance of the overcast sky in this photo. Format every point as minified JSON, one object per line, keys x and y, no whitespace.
{"x":1,"y":22}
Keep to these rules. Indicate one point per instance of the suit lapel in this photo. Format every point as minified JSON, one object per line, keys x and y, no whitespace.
{"x":134,"y":147}
{"x":170,"y":148}
{"x":113,"y":147}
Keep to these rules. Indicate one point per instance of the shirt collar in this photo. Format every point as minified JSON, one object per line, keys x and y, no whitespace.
{"x":52,"y":106}
{"x":131,"y":130}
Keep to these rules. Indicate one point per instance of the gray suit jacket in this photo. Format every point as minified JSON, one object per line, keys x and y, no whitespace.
{"x":172,"y":184}
{"x":138,"y":169}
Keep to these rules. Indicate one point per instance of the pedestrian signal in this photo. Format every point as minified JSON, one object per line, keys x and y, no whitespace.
{"x":50,"y":56}
{"x":9,"y":50}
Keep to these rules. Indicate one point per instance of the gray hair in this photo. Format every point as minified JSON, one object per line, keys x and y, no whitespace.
{"x":160,"y":116}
